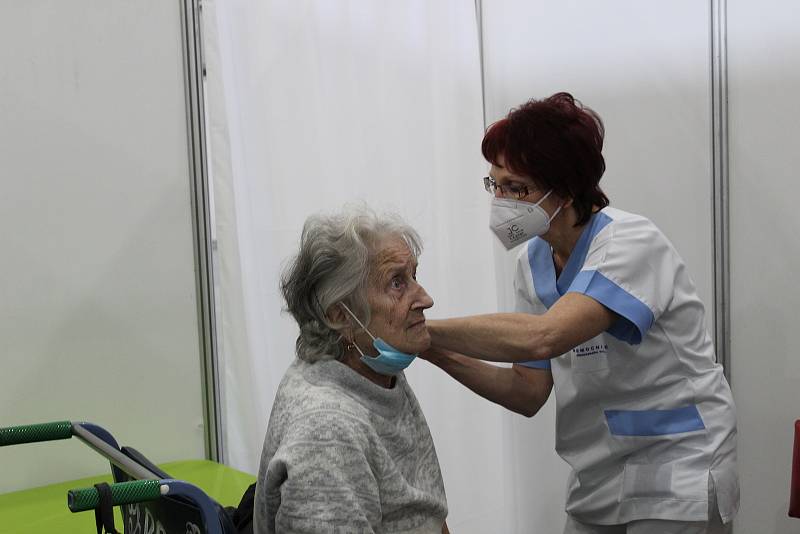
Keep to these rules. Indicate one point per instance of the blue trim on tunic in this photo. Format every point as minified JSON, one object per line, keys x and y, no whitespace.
{"x":536,"y":364}
{"x":578,"y":256}
{"x":543,"y":272}
{"x":636,"y":318}
{"x":654,"y":422}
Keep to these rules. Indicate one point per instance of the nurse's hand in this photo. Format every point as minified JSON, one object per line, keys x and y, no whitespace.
{"x":434,"y":355}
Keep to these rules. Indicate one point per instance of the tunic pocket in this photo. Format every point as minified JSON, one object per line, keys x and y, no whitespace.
{"x":663,"y":481}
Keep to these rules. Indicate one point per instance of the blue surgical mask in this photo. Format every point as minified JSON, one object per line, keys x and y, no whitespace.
{"x":389,"y":360}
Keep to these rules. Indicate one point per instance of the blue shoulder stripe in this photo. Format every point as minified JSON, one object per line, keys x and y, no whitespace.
{"x":540,"y":258}
{"x":636,"y":318}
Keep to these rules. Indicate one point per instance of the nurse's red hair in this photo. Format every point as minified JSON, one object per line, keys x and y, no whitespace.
{"x":557,"y":142}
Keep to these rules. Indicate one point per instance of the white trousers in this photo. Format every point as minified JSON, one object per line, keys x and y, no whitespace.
{"x":658,"y":526}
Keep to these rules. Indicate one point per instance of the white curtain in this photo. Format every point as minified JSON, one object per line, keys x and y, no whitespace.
{"x":314,"y":104}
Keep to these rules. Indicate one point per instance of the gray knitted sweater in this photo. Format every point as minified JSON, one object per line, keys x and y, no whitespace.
{"x":344,"y":455}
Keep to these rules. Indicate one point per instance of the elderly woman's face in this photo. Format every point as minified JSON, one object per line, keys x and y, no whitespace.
{"x":397,"y":302}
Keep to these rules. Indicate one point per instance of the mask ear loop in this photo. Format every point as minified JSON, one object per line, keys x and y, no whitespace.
{"x":353,"y":315}
{"x":554,"y":214}
{"x":544,"y":197}
{"x":550,"y":219}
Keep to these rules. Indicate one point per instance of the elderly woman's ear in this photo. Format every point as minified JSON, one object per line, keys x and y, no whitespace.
{"x":337,"y":317}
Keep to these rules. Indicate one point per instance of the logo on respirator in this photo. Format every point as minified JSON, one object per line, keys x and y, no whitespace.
{"x":515,"y":233}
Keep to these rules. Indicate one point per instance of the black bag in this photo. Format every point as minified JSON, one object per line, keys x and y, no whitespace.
{"x":242,"y":515}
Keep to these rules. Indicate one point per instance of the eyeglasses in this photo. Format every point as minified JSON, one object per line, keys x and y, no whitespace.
{"x":513,"y":190}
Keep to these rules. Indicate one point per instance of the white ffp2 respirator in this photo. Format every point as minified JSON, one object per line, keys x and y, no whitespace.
{"x":514,"y":221}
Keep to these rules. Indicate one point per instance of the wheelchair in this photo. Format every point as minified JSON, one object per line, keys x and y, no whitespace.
{"x":151,"y":501}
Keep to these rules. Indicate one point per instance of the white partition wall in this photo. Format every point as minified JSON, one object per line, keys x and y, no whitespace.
{"x":764,"y":125}
{"x":98,"y":306}
{"x":644,"y":66}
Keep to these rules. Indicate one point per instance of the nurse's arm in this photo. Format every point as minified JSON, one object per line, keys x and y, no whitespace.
{"x":519,"y":337}
{"x":520,"y":389}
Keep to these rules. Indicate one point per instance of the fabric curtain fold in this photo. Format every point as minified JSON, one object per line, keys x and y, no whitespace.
{"x":315,"y":104}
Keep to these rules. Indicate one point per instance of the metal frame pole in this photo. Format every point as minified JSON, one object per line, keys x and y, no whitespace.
{"x":720,"y":195}
{"x":194,"y":69}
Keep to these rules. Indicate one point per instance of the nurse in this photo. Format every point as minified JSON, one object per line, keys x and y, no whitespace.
{"x":608,"y":317}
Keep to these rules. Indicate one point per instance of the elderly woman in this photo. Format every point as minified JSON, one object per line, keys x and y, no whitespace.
{"x":347,"y":448}
{"x":608,"y":318}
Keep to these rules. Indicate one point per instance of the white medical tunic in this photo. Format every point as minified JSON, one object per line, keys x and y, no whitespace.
{"x":644,"y":414}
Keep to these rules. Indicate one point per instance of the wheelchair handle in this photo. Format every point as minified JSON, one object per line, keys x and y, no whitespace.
{"x":15,"y":435}
{"x":134,"y":491}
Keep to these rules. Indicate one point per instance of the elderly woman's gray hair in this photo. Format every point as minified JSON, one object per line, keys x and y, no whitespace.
{"x":333,"y":265}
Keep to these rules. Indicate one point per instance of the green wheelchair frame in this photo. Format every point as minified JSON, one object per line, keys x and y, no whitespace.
{"x":142,"y":490}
